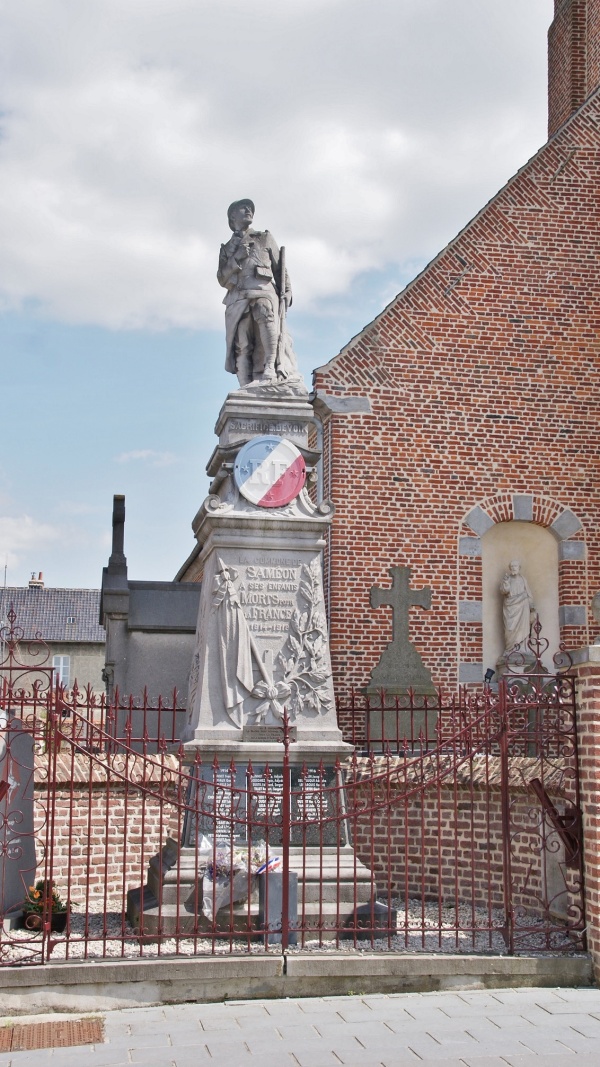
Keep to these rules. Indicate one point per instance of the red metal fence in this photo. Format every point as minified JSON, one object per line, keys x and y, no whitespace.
{"x":463,"y":835}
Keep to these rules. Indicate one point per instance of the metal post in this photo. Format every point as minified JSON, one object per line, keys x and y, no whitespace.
{"x":505,"y":806}
{"x":285,"y":835}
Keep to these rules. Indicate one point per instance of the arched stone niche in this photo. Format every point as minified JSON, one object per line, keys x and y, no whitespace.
{"x":527,"y":511}
{"x":537,"y":551}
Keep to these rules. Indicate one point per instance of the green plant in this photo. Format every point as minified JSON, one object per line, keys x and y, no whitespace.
{"x":40,"y":895}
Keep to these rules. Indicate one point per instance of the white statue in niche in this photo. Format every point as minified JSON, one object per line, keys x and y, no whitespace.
{"x":518,"y":609}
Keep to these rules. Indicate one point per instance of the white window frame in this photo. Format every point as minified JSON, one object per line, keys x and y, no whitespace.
{"x":62,"y":669}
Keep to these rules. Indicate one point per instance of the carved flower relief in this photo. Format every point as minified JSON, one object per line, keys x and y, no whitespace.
{"x":304,"y":658}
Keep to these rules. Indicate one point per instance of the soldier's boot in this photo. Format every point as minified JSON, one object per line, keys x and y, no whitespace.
{"x":268,"y":333}
{"x":269,"y":371}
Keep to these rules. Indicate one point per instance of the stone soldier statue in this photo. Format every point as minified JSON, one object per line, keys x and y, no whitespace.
{"x":258,"y":295}
{"x":517,"y":609}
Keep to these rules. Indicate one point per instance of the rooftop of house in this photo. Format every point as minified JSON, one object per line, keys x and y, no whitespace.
{"x":54,"y":614}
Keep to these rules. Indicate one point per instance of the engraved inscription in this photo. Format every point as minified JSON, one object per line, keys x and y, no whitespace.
{"x":267,"y":734}
{"x":264,"y":426}
{"x":268,"y":596}
{"x":267,"y":798}
{"x":269,"y":561}
{"x":216,"y":805}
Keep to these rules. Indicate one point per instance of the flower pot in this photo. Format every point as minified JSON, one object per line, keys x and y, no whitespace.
{"x":58,"y":921}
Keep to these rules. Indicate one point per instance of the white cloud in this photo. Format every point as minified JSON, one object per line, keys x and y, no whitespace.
{"x":147,"y":455}
{"x":367,"y":133}
{"x":22,"y":536}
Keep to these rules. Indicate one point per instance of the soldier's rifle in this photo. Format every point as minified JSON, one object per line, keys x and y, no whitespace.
{"x":282,"y":308}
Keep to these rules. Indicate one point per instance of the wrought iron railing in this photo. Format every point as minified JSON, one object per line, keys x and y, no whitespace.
{"x":463,"y":835}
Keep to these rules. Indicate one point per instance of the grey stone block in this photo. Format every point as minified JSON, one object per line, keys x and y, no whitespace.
{"x":523,"y":507}
{"x":345,"y":405}
{"x":409,"y":1059}
{"x":270,"y":905}
{"x":469,"y":546}
{"x":470,"y":611}
{"x":470,"y":672}
{"x":163,"y":606}
{"x":572,"y":615}
{"x":35,"y":1058}
{"x":565,"y":525}
{"x":310,"y":1057}
{"x":479,"y":521}
{"x":571,"y":550}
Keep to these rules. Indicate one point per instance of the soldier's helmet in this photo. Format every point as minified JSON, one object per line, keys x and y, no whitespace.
{"x":239,"y":203}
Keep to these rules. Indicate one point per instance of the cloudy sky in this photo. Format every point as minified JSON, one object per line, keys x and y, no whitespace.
{"x":368,"y":132}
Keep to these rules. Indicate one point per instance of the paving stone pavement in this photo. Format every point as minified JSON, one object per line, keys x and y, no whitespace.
{"x":487,"y":1028}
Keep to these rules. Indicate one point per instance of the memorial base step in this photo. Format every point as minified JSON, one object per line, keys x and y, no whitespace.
{"x":332,"y":884}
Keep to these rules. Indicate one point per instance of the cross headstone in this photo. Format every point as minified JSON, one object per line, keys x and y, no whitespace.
{"x":400,"y":666}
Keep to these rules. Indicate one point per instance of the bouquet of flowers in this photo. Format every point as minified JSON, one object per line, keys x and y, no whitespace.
{"x":230,"y":874}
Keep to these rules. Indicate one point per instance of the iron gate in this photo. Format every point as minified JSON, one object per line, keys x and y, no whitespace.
{"x":461,"y":833}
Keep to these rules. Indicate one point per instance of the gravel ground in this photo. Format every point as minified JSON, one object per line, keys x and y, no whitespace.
{"x":418,"y":930}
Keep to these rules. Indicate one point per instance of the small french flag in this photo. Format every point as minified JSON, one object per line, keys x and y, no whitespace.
{"x":271,"y":864}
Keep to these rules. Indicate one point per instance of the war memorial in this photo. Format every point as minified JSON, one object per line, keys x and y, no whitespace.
{"x":355,"y":738}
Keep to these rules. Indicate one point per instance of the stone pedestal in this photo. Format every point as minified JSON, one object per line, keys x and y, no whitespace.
{"x":261,"y":638}
{"x":261,"y":651}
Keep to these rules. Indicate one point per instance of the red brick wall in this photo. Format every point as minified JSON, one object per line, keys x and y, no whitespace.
{"x":573,"y":58}
{"x":483,"y":378}
{"x":451,"y":838}
{"x":108,"y":854}
{"x":589,"y":758}
{"x":452,"y":841}
{"x":111,"y":855}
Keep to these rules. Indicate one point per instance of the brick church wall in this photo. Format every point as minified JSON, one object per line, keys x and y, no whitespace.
{"x":573,"y":58}
{"x":593,"y":45}
{"x":479,"y":393}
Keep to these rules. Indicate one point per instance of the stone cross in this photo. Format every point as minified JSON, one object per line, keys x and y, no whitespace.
{"x":400,"y":598}
{"x":400,"y":667}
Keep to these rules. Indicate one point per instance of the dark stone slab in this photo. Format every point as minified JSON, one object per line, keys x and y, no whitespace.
{"x":235,"y":805}
{"x":371,"y":920}
{"x":17,"y":854}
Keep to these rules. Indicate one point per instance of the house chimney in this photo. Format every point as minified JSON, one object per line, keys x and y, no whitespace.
{"x":36,"y":583}
{"x":573,"y":58}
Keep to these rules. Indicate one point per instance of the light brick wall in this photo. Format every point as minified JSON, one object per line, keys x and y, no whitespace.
{"x":448,"y":847}
{"x":103,"y":834}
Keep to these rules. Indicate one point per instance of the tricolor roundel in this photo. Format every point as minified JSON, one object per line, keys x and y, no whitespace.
{"x":269,"y":471}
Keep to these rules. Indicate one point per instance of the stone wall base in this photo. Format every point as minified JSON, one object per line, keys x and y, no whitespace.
{"x":85,"y":987}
